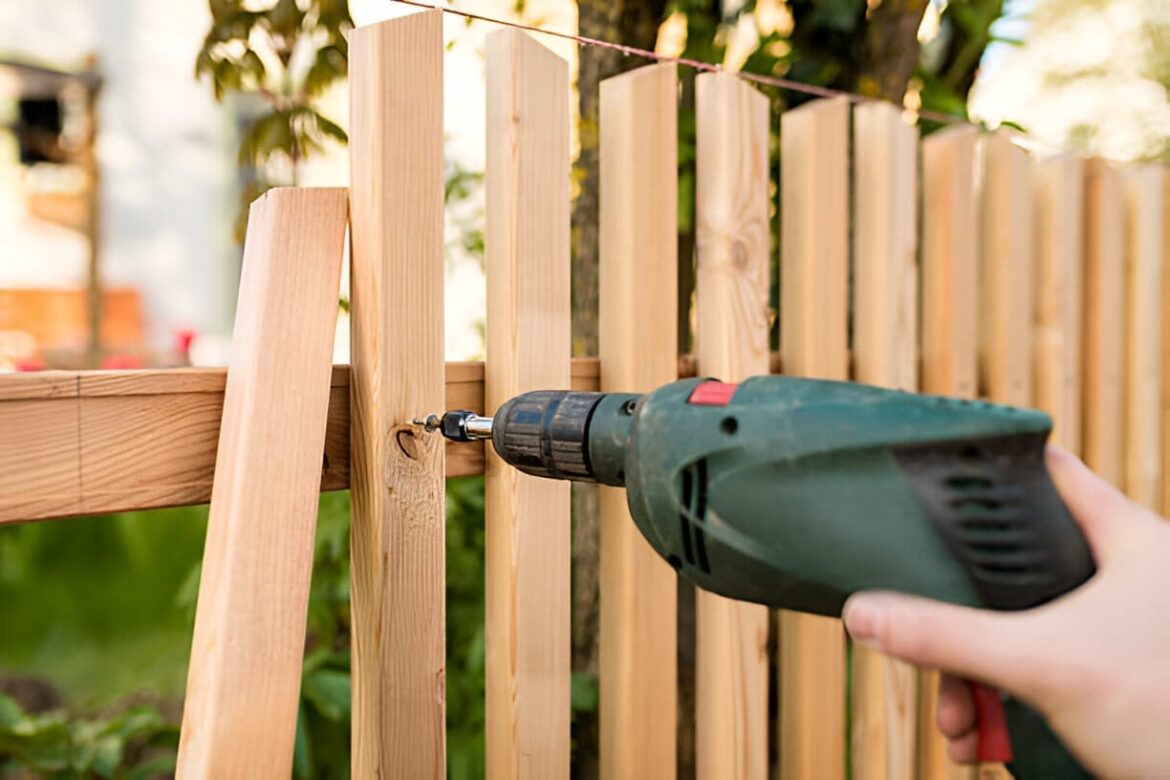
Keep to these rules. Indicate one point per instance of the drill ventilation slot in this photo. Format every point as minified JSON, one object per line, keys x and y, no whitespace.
{"x":693,"y":505}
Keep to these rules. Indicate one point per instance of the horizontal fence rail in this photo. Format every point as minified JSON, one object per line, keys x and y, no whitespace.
{"x":95,"y":442}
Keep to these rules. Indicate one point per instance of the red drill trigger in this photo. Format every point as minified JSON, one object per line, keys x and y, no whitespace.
{"x":995,"y":744}
{"x":712,"y":393}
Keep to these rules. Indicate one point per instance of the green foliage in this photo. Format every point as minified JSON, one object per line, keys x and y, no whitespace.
{"x":465,"y":628}
{"x":134,"y":744}
{"x":286,"y":55}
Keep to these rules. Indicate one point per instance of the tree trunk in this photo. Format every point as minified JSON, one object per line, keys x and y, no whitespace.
{"x":891,"y":48}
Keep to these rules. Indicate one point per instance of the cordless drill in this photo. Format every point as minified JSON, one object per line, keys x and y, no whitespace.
{"x":796,"y":493}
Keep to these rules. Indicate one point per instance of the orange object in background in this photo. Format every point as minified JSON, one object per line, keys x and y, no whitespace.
{"x":57,"y":319}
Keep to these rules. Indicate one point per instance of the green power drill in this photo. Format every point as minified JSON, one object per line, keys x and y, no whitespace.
{"x":795,"y":493}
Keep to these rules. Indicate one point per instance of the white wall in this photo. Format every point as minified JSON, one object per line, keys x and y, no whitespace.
{"x":165,"y":148}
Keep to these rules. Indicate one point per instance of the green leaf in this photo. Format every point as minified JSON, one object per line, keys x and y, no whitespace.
{"x":10,"y":712}
{"x":329,"y":693}
{"x":583,"y":692}
{"x":302,"y":748}
{"x":285,"y":17}
{"x":331,"y":129}
{"x":160,"y":766}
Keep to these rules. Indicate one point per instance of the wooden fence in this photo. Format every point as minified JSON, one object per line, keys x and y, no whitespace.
{"x":958,"y":264}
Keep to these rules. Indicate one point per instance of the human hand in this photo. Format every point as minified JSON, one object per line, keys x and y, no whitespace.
{"x":1095,"y":662}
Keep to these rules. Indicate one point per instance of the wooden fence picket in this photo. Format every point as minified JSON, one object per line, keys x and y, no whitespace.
{"x":732,"y":237}
{"x":814,"y":273}
{"x":397,"y":550}
{"x":244,"y":677}
{"x":1006,"y":279}
{"x":638,"y":351}
{"x":885,"y":348}
{"x":1059,"y":208}
{"x":950,"y":326}
{"x":1143,"y":335}
{"x":1103,"y":355}
{"x":528,"y":343}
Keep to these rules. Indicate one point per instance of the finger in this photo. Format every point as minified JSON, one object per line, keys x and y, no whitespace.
{"x":1098,"y":507}
{"x":964,"y":750}
{"x":970,"y":643}
{"x":956,"y":709}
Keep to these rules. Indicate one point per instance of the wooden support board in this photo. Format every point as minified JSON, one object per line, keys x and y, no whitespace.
{"x":885,"y":339}
{"x":814,"y":272}
{"x":950,"y":275}
{"x":1103,"y":357}
{"x":638,"y":348}
{"x":96,"y":442}
{"x":244,"y":677}
{"x":397,"y":538}
{"x":732,"y":237}
{"x":1143,"y":335}
{"x":1059,"y":194}
{"x":1006,"y":294}
{"x":1007,"y":286}
{"x":528,"y":343}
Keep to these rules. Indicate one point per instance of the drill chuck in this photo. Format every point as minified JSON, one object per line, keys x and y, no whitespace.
{"x":546,"y":433}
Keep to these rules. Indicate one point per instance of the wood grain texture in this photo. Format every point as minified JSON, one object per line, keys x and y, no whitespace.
{"x":814,"y":273}
{"x":885,"y":339}
{"x":1007,"y":276}
{"x":1103,"y":356}
{"x":1143,"y":335}
{"x":1059,"y":198}
{"x":638,"y":350}
{"x":398,"y":575}
{"x":950,"y":276}
{"x":244,"y":677}
{"x":95,"y":442}
{"x":528,"y":343}
{"x":732,"y":238}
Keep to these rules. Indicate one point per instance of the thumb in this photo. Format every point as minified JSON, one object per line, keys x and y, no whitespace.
{"x":971,"y":643}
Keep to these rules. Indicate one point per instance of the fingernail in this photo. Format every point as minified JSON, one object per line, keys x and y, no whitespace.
{"x":863,"y":617}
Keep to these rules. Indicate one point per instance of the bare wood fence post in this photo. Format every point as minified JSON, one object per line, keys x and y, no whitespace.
{"x":733,"y":253}
{"x":243,"y":681}
{"x":1103,"y":357}
{"x":639,"y":348}
{"x":1059,"y":194}
{"x":814,"y":273}
{"x":950,"y":283}
{"x":885,"y":348}
{"x":1143,"y":335}
{"x":397,"y":544}
{"x":528,"y":344}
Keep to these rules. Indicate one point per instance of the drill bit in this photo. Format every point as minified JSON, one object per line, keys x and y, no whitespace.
{"x":457,"y":425}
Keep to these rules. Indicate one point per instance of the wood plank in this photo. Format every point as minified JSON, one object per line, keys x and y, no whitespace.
{"x":950,"y":273}
{"x":67,"y":429}
{"x":244,"y":677}
{"x":1059,"y":197}
{"x":1143,"y":335}
{"x":638,"y":350}
{"x":814,"y":272}
{"x":885,"y":339}
{"x":733,"y":243}
{"x":1007,"y":273}
{"x":1103,"y":367}
{"x":1007,"y":284}
{"x":528,"y":343}
{"x":398,"y":574}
